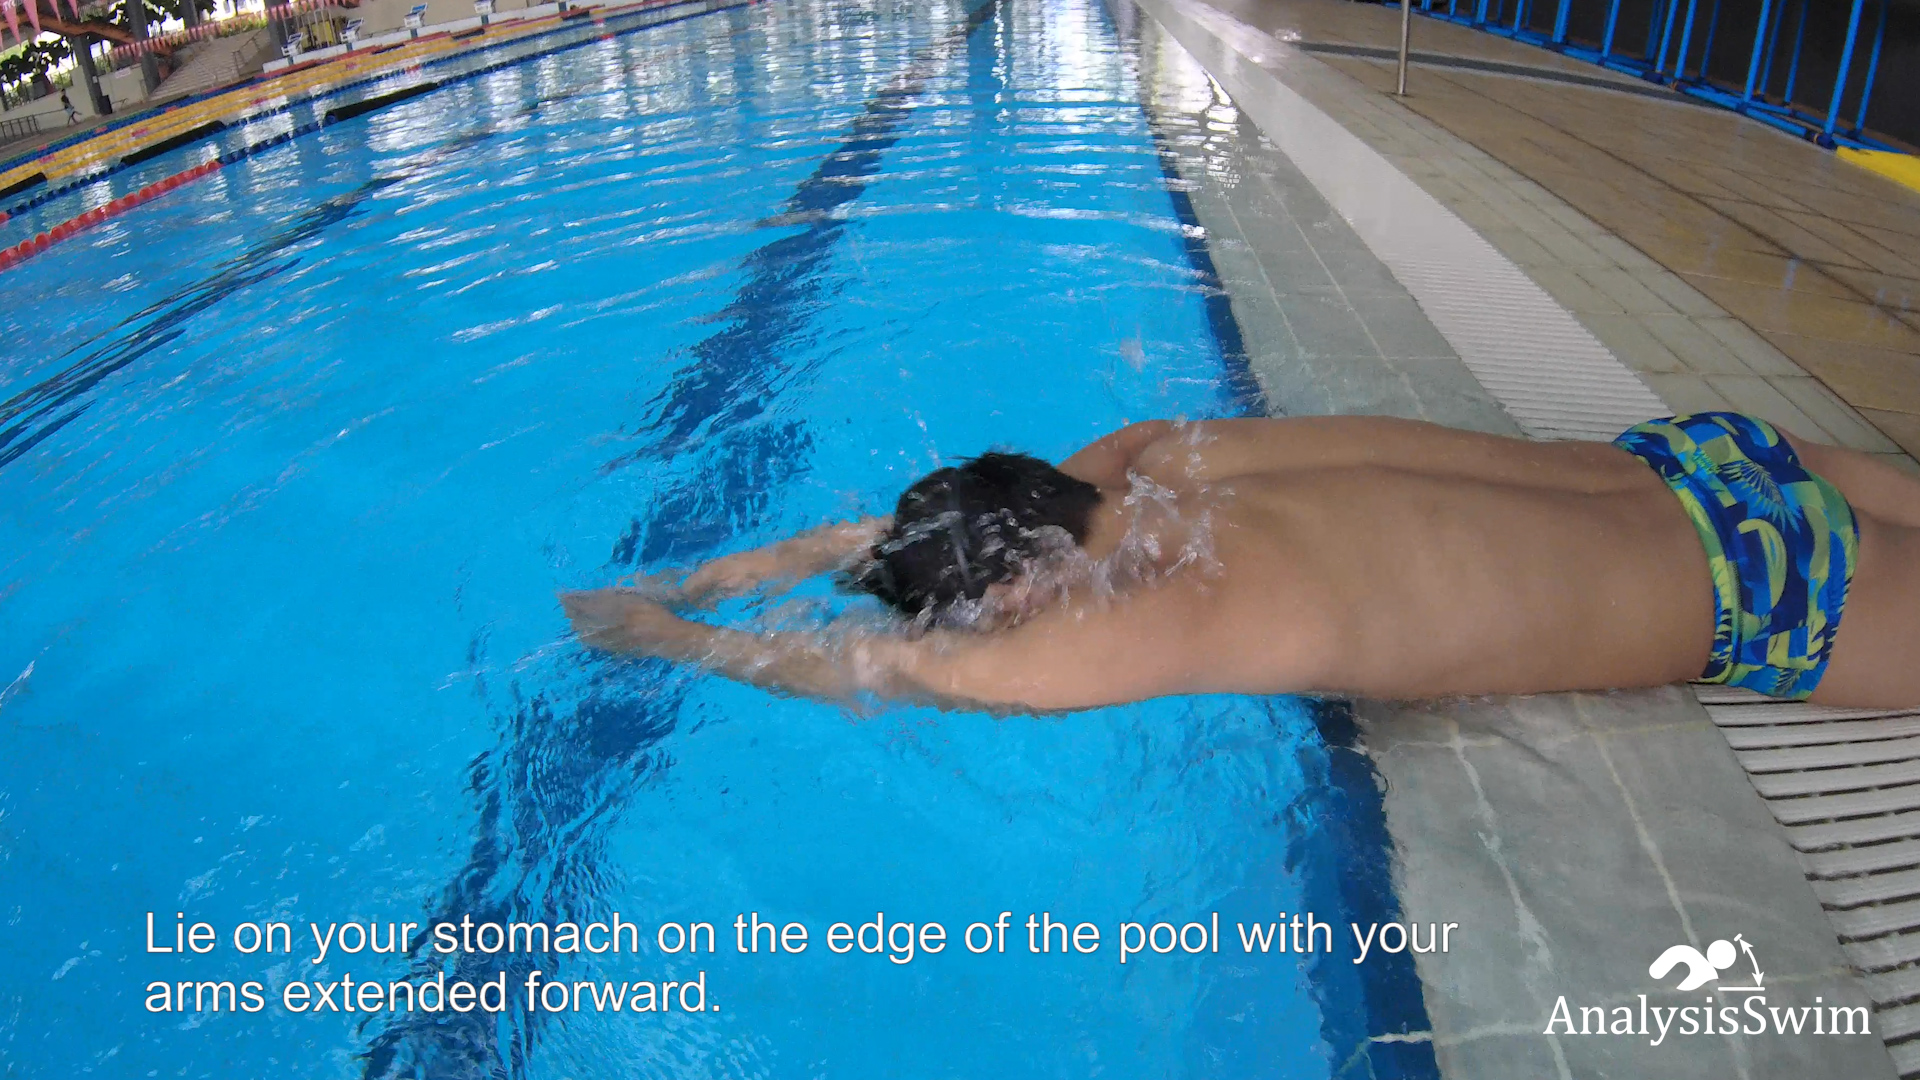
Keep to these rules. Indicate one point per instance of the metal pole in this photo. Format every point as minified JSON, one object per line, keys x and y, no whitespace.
{"x":149,"y":64}
{"x":1480,"y":14}
{"x":1560,"y":23}
{"x":1773,"y":49}
{"x":1840,"y":80}
{"x":1519,"y":15}
{"x":1759,"y":39}
{"x":1606,"y":39}
{"x":1406,"y":28}
{"x":1793,"y":68}
{"x":1666,"y":37}
{"x":1873,"y":69}
{"x":1706,"y":53}
{"x":1686,"y":41}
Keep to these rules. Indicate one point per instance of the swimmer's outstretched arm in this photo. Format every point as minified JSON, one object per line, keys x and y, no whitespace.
{"x":815,"y":551}
{"x":1146,"y":646}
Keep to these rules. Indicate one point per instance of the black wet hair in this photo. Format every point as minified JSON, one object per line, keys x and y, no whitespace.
{"x":961,"y":529}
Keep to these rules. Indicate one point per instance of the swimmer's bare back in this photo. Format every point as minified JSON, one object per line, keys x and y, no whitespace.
{"x":1351,"y":555}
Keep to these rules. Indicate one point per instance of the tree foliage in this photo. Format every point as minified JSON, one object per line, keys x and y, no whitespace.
{"x":157,"y":10}
{"x":32,"y":61}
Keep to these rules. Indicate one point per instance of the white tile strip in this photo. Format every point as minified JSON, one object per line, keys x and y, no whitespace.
{"x":1553,"y":376}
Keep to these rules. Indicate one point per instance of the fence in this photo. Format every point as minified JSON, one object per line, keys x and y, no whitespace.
{"x":19,"y":127}
{"x":1810,"y":67}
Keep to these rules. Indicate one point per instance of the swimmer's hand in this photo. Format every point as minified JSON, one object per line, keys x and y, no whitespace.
{"x":666,"y":588}
{"x":732,"y":575}
{"x":624,"y":620}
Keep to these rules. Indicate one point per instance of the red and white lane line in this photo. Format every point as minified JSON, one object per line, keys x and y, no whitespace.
{"x":72,"y":226}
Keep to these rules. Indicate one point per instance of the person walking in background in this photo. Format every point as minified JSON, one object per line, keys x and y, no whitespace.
{"x":73,"y":115}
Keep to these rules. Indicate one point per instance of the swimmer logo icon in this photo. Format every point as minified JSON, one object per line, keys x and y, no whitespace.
{"x":1703,"y":969}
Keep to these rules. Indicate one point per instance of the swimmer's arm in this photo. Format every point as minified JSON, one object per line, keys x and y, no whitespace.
{"x":1104,"y":462}
{"x":1161,"y":642}
{"x":1187,"y":635}
{"x":622,"y":621}
{"x":1147,"y":645}
{"x":812,"y":552}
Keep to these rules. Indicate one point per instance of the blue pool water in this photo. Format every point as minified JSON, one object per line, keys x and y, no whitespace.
{"x":293,"y":460}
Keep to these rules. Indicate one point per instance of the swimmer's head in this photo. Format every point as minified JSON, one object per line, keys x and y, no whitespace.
{"x":960,"y":531}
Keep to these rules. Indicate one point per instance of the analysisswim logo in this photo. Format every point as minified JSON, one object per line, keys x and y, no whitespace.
{"x":1743,"y":1008}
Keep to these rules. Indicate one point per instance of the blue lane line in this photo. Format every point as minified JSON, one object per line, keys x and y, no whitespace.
{"x":1244,"y":388}
{"x":613,"y":730}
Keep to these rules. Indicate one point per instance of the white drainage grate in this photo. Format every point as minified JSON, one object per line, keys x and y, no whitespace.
{"x":1845,"y":784}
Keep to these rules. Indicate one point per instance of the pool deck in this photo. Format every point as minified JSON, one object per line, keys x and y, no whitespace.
{"x":1574,"y":837}
{"x":1729,"y":264}
{"x":1720,"y":263}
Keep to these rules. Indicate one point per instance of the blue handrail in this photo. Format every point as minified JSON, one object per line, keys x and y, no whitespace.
{"x":1773,"y":48}
{"x":1873,"y":70}
{"x":1663,"y":64}
{"x":1686,"y":40}
{"x":1713,"y":27}
{"x":1759,"y":40}
{"x":1840,"y":80}
{"x":1666,"y":35}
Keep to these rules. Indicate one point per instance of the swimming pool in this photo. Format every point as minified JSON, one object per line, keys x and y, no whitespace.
{"x":296,"y":458}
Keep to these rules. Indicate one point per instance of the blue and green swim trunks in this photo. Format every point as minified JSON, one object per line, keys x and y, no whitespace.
{"x":1781,"y":544}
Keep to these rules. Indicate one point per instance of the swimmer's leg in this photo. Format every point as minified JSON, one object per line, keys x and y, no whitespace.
{"x":1876,"y":649}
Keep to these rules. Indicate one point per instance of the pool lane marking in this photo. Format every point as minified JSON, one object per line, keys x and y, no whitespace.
{"x":416,"y":65}
{"x":287,"y":83}
{"x":306,"y":85}
{"x":1243,"y":385}
{"x":73,"y":226}
{"x":310,"y":85}
{"x":767,"y":306}
{"x":26,"y":249}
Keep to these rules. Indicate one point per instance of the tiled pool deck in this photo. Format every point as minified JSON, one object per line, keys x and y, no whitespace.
{"x":1572,"y":837}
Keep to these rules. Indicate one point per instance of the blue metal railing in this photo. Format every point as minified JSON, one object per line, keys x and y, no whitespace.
{"x":1667,"y":61}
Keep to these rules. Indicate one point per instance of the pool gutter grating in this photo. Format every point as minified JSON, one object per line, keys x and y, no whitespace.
{"x":1845,"y":785}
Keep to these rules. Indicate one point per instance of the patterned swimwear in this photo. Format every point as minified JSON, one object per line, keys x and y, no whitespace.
{"x":1781,"y":544}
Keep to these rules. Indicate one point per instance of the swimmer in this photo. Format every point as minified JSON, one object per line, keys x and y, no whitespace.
{"x":1356,"y":556}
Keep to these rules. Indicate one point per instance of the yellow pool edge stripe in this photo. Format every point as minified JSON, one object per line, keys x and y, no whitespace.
{"x":1897,"y":167}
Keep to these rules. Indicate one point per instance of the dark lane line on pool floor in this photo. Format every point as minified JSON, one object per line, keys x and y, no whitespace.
{"x":26,"y":418}
{"x":577,"y":766}
{"x":1373,"y":1015}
